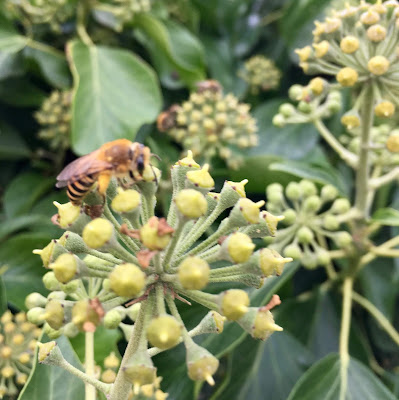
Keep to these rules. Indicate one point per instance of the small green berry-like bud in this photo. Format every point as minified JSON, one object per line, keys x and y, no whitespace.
{"x":347,"y":76}
{"x":234,"y":303}
{"x":201,"y":179}
{"x":293,"y":251}
{"x":323,"y":257}
{"x":191,"y":203}
{"x":126,"y":201}
{"x":112,"y":319}
{"x":295,"y":92}
{"x":331,"y":222}
{"x":309,"y":261}
{"x":393,"y":143}
{"x":259,"y":323}
{"x":239,"y":247}
{"x":304,"y":235}
{"x":7,"y":372}
{"x":65,"y":267}
{"x":54,"y":314}
{"x":36,"y":315}
{"x":271,"y":262}
{"x":308,"y":188}
{"x":343,"y":239}
{"x":127,"y":280}
{"x":378,"y":65}
{"x":50,"y":281}
{"x":287,"y":110}
{"x":193,"y":273}
{"x":312,"y":203}
{"x":140,"y":369}
{"x":164,"y":332}
{"x":108,"y":376}
{"x":156,"y":234}
{"x":340,"y":206}
{"x":278,"y":120}
{"x":293,"y":191}
{"x":68,"y":213}
{"x":201,"y":364}
{"x":305,"y":107}
{"x":328,"y":193}
{"x":97,"y":233}
{"x":290,"y":216}
{"x":35,"y":300}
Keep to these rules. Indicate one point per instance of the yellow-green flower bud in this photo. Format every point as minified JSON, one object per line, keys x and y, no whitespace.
{"x":164,"y":332}
{"x":332,"y":24}
{"x":343,"y":239}
{"x":127,"y":280}
{"x":156,"y":234}
{"x":376,"y":33}
{"x":287,"y":110}
{"x":271,"y":262}
{"x":312,"y":204}
{"x":68,"y":213}
{"x":191,"y":203}
{"x":378,"y":65}
{"x":126,"y":201}
{"x":36,"y":315}
{"x":7,"y":372}
{"x":370,"y":17}
{"x":202,"y":178}
{"x":112,"y":319}
{"x":140,"y":370}
{"x":393,"y":143}
{"x":249,"y":209}
{"x":6,"y":352}
{"x":85,"y":316}
{"x":21,"y":379}
{"x":321,"y":49}
{"x":65,"y":267}
{"x":54,"y":314}
{"x":304,"y":53}
{"x":349,"y":44}
{"x":111,"y":361}
{"x":50,"y":281}
{"x":305,"y":107}
{"x":46,"y":253}
{"x":331,"y":222}
{"x":238,"y":187}
{"x":323,"y":257}
{"x":347,"y":77}
{"x":290,"y":216}
{"x":340,"y":206}
{"x":193,"y":273}
{"x":309,"y":261}
{"x":201,"y":364}
{"x":384,"y":109}
{"x":295,"y":92}
{"x":259,"y":323}
{"x":35,"y":300}
{"x":317,"y":85}
{"x":188,"y":161}
{"x":278,"y":120}
{"x":47,"y":351}
{"x":97,"y":233}
{"x":234,"y":304}
{"x":304,"y":235}
{"x":308,"y":188}
{"x":271,"y":221}
{"x":351,"y":119}
{"x":328,"y":193}
{"x":293,"y":251}
{"x":239,"y":247}
{"x":108,"y":376}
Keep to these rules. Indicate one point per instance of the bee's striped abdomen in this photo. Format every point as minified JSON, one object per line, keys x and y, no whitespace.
{"x":78,"y":189}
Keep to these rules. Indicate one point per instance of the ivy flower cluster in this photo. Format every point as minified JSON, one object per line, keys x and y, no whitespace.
{"x":54,"y":117}
{"x":18,"y":339}
{"x":261,"y":74}
{"x":359,"y":44}
{"x":312,"y":218}
{"x":129,"y":253}
{"x":210,"y":123}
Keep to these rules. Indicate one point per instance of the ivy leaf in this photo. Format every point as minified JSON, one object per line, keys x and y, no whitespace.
{"x":10,"y":40}
{"x":49,"y":382}
{"x":386,"y":216}
{"x":115,"y":93}
{"x":12,"y":146}
{"x":323,"y":381}
{"x":3,"y":295}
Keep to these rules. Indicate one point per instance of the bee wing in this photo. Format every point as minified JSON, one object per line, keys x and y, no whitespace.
{"x":82,"y":166}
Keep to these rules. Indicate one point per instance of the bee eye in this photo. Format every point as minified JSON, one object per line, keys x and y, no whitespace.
{"x":140,"y":165}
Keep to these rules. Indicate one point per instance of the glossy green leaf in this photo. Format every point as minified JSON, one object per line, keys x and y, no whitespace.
{"x":116,"y":93}
{"x":53,"y":66}
{"x":21,"y":92}
{"x":3,"y":295}
{"x":50,"y":383}
{"x":12,"y":146}
{"x":23,"y":192}
{"x":10,"y":40}
{"x":387,"y":216}
{"x":11,"y":65}
{"x":323,"y":381}
{"x":25,"y":270}
{"x":183,"y":51}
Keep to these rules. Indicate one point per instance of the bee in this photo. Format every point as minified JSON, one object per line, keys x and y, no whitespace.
{"x":211,"y":85}
{"x":120,"y":158}
{"x":167,"y":119}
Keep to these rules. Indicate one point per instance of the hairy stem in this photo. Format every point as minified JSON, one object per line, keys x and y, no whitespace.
{"x":90,"y":391}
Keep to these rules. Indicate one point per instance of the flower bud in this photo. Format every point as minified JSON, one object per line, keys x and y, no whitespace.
{"x":140,"y":369}
{"x":35,"y":300}
{"x":369,"y":17}
{"x":85,"y":316}
{"x":349,"y":44}
{"x":312,"y":204}
{"x":393,"y":143}
{"x":50,"y":354}
{"x":328,"y":193}
{"x":304,"y":53}
{"x":295,"y":92}
{"x":68,"y":213}
{"x":24,"y":358}
{"x":188,"y":161}
{"x":340,"y":206}
{"x":323,"y":257}
{"x":164,"y":332}
{"x":213,"y":322}
{"x":309,"y":261}
{"x":271,"y":262}
{"x":7,"y":372}
{"x":293,"y":191}
{"x":331,"y":222}
{"x":293,"y":251}
{"x":234,"y":303}
{"x":239,"y":247}
{"x":50,"y":281}
{"x":376,"y":33}
{"x":318,"y":85}
{"x":70,"y":330}
{"x":201,"y":364}
{"x":378,"y":65}
{"x":347,"y":76}
{"x":351,"y":119}
{"x":156,"y":234}
{"x":126,"y":201}
{"x":259,"y":323}
{"x":127,"y":280}
{"x":65,"y":267}
{"x":278,"y":120}
{"x":191,"y":203}
{"x":54,"y":314}
{"x":343,"y":239}
{"x":321,"y":49}
{"x":112,"y":319}
{"x":384,"y":109}
{"x":193,"y":273}
{"x":304,"y":235}
{"x":45,"y":253}
{"x":97,"y":233}
{"x":246,"y":211}
{"x":308,"y":188}
{"x":111,"y":361}
{"x":290,"y":216}
{"x":201,"y":178}
{"x":305,"y":107}
{"x":108,"y":376}
{"x":36,"y":315}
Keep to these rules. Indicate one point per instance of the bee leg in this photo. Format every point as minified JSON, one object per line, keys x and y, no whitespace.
{"x":103,"y":182}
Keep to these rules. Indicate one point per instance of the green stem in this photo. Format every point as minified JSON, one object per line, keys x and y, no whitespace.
{"x":379,"y":317}
{"x":344,"y":335}
{"x":384,"y":179}
{"x":81,"y":24}
{"x":90,"y":390}
{"x":160,"y":299}
{"x":206,"y":299}
{"x":173,"y":243}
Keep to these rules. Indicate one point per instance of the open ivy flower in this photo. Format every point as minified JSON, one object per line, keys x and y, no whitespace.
{"x":129,"y":255}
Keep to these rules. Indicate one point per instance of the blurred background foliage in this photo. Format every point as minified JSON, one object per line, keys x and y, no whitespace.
{"x":74,"y":75}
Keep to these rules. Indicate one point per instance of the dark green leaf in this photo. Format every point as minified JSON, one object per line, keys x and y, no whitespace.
{"x":25,"y":269}
{"x":23,"y":192}
{"x":387,"y":216}
{"x":50,"y":383}
{"x":21,"y":92}
{"x":10,"y":41}
{"x":116,"y":93}
{"x":3,"y":295}
{"x":12,"y":146}
{"x":323,"y":381}
{"x":11,"y":65}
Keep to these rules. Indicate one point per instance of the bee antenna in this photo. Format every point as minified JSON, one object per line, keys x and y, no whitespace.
{"x":156,"y":156}
{"x":155,"y":175}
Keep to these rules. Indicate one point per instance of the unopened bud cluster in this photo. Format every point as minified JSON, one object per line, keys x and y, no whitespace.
{"x":358,"y":44}
{"x":211,"y":124}
{"x":54,"y":117}
{"x":127,"y":254}
{"x":261,"y":74}
{"x":315,"y":100}
{"x":313,"y":219}
{"x":18,"y":339}
{"x":51,"y":12}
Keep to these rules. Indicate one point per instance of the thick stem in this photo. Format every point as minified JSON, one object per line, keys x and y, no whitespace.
{"x":344,"y":335}
{"x":122,"y":386}
{"x":376,"y":183}
{"x":81,"y":24}
{"x":363,"y":168}
{"x":90,"y":391}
